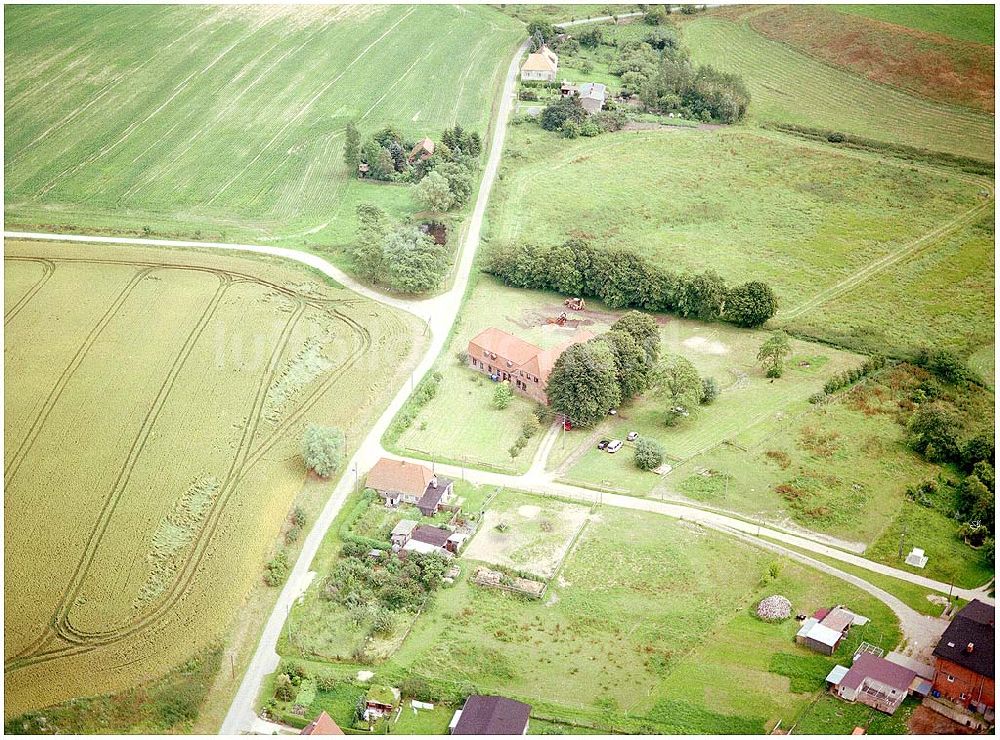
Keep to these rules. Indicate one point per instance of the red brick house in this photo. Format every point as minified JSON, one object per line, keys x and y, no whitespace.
{"x":965,"y":660}
{"x":526,"y":366}
{"x":322,"y":725}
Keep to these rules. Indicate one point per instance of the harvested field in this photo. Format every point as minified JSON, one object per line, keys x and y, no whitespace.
{"x":227,"y":123}
{"x":789,"y":86}
{"x":928,"y":64}
{"x":154,"y":406}
{"x":526,"y":534}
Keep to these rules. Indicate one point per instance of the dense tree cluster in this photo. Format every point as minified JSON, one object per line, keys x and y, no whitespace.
{"x":398,"y":257}
{"x":323,"y":449}
{"x":623,"y":279}
{"x":591,"y":378}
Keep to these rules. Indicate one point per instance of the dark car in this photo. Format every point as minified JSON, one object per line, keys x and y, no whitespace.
{"x":603,"y":444}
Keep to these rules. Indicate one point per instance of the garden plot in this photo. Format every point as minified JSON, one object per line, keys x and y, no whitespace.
{"x":525,"y":534}
{"x":155,"y":402}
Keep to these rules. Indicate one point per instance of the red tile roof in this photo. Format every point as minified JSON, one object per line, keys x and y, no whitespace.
{"x":513,"y":353}
{"x":322,"y":725}
{"x":396,"y":475}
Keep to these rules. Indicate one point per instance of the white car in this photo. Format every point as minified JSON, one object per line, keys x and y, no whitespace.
{"x":614,"y":445}
{"x":632,"y":436}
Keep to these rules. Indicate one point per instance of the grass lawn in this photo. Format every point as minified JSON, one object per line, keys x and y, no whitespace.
{"x":786,"y":85}
{"x":966,"y":22}
{"x":584,"y":653}
{"x":831,"y":716}
{"x":228,"y":123}
{"x":698,"y":199}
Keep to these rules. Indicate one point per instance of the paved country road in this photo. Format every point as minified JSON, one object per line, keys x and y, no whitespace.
{"x":440,"y":312}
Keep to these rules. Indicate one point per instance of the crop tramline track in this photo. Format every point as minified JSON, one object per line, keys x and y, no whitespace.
{"x":122,"y":479}
{"x":83,"y":641}
{"x":48,"y":267}
{"x":10,"y":471}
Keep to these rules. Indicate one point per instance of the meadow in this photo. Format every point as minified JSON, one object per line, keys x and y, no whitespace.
{"x":154,"y":407}
{"x":692,"y":659}
{"x":940,"y":68}
{"x":964,"y":22}
{"x":228,"y":123}
{"x":837,"y":235}
{"x":788,"y":86}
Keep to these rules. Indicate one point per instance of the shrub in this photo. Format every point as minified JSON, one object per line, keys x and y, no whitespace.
{"x":283,"y":689}
{"x":292,"y":534}
{"x":648,"y":454}
{"x":276,"y":570}
{"x":463,"y":357}
{"x":530,"y":427}
{"x":709,"y":390}
{"x":298,"y":516}
{"x":836,"y":138}
{"x":502,"y":395}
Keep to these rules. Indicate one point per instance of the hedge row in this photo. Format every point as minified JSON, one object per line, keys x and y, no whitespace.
{"x":841,"y":380}
{"x":426,"y":390}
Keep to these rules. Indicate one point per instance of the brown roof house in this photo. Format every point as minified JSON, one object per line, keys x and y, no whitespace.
{"x":508,"y":358}
{"x":540,"y":66}
{"x":422,"y":150}
{"x":322,"y":725}
{"x":490,"y":715}
{"x":875,"y":681}
{"x":965,"y":661}
{"x":825,"y":629}
{"x":397,"y":481}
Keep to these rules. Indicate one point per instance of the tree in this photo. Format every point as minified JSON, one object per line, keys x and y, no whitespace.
{"x":751,"y":304}
{"x":644,"y":330}
{"x":773,"y":352}
{"x":414,"y":262}
{"x":542,"y":29}
{"x":323,"y":449}
{"x":459,"y":182}
{"x":556,"y":114}
{"x":373,"y":225}
{"x":680,"y":381}
{"x":704,"y":296}
{"x":709,"y":390}
{"x":933,"y":432}
{"x":648,"y":454}
{"x":583,"y":384}
{"x":632,"y":371}
{"x":283,"y":689}
{"x":352,"y":147}
{"x":979,"y":449}
{"x":502,"y":395}
{"x":435,"y":192}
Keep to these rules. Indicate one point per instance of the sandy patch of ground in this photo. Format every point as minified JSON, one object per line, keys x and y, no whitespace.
{"x":705,"y":346}
{"x":534,"y":539}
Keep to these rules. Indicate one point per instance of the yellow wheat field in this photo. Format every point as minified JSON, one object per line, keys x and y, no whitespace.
{"x":153,"y":409}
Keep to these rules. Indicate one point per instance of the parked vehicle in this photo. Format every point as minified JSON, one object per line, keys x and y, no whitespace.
{"x":603,"y":444}
{"x":632,"y":436}
{"x":615,"y":445}
{"x":612,"y":412}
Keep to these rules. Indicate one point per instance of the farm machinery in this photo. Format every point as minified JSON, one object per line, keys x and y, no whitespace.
{"x":558,"y":321}
{"x":575,"y":304}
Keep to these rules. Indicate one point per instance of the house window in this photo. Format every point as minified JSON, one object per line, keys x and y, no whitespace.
{"x":962,"y":697}
{"x":951,"y":679}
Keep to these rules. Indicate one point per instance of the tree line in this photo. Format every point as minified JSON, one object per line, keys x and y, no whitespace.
{"x":622,"y":279}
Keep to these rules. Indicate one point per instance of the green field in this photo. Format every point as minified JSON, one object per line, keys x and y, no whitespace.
{"x":151,"y":478}
{"x":966,"y":22}
{"x":790,"y":87}
{"x":691,"y":660}
{"x":227,"y":123}
{"x":698,"y":199}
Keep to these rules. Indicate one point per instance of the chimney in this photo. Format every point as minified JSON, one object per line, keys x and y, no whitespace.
{"x":968,"y":648}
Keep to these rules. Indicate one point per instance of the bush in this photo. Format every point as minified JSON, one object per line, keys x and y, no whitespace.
{"x":276,"y":570}
{"x":283,"y":689}
{"x":648,"y":454}
{"x":530,"y":427}
{"x":836,"y":138}
{"x":463,"y":357}
{"x":502,"y":395}
{"x":709,"y":390}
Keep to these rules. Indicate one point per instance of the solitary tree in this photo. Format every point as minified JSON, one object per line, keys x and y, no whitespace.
{"x":682,"y":385}
{"x":323,"y":449}
{"x":648,"y":454}
{"x":435,"y":192}
{"x":773,"y":352}
{"x":583,"y":384}
{"x":709,"y":390}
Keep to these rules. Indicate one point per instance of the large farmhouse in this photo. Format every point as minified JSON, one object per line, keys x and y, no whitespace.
{"x":526,"y":366}
{"x":541,"y":66}
{"x":965,"y":661}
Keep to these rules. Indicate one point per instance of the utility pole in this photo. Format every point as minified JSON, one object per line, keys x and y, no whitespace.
{"x":355,"y":477}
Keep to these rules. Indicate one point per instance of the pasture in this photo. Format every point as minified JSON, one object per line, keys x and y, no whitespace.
{"x":788,"y":86}
{"x":838,"y":234}
{"x":691,"y":660}
{"x":154,"y":407}
{"x":227,"y":123}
